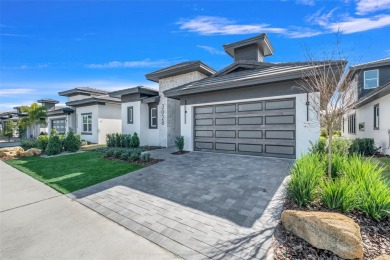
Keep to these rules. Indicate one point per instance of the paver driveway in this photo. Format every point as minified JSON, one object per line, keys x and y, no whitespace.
{"x":197,"y":205}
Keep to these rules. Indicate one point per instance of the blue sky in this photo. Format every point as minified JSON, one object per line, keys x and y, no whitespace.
{"x":51,"y":46}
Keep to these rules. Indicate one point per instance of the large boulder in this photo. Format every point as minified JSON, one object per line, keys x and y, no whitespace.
{"x":35,"y":151}
{"x":11,"y":151}
{"x":326,"y":230}
{"x":383,"y":257}
{"x":31,"y":152}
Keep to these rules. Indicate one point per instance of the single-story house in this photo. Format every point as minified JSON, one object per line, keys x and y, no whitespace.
{"x":369,"y":118}
{"x":250,"y":107}
{"x":90,"y":112}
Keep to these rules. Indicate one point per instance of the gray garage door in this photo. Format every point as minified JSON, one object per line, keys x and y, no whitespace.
{"x":265,"y":128}
{"x":58,"y":125}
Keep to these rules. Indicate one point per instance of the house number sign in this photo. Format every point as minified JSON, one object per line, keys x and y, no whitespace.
{"x":162,"y":114}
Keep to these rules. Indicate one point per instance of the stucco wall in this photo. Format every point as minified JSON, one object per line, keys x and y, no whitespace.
{"x":365,"y":114}
{"x":168,"y":117}
{"x":306,"y":131}
{"x":109,"y":121}
{"x":93,"y":137}
{"x":77,"y":97}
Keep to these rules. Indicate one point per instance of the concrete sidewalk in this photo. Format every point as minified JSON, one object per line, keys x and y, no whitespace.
{"x":37,"y":222}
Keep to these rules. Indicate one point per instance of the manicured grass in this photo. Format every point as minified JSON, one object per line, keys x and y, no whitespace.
{"x":69,"y":173}
{"x":385,"y":162}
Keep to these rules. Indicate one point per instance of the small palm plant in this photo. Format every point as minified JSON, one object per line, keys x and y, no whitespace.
{"x":179,"y":141}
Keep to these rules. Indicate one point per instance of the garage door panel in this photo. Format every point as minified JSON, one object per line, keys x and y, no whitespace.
{"x":225,"y":146}
{"x":265,"y":128}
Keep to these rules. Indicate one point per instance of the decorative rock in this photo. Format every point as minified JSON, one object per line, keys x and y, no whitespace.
{"x":382,"y":257}
{"x":35,"y":151}
{"x":31,"y":152}
{"x":331,"y":231}
{"x":11,"y":151}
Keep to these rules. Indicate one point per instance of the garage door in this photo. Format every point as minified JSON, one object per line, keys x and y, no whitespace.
{"x":58,"y":125}
{"x":264,"y":128}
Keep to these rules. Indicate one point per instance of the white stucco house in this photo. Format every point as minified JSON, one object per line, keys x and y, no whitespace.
{"x":249,"y":107}
{"x":90,"y":112}
{"x":370,"y":116}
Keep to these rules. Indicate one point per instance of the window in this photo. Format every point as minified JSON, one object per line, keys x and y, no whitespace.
{"x":130,"y":115}
{"x":87,"y":123}
{"x":153,"y":116}
{"x":361,"y":126}
{"x":371,"y":79}
{"x":376,"y":117}
{"x":352,"y":124}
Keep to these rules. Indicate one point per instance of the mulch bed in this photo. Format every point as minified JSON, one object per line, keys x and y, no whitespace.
{"x":180,"y":153}
{"x":138,"y":162}
{"x":375,"y":235}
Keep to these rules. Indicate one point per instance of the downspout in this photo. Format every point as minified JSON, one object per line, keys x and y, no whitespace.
{"x":307,"y":106}
{"x":185,"y":111}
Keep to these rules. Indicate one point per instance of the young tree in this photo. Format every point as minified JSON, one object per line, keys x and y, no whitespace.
{"x":9,"y":129}
{"x":337,"y":93}
{"x":36,"y":114}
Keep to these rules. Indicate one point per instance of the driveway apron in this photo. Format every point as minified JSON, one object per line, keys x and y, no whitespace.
{"x":198,"y":205}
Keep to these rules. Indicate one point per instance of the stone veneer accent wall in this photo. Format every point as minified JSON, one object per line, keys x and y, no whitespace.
{"x":169,"y":109}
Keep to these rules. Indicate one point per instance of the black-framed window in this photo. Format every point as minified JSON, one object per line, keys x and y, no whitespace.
{"x":371,"y":79}
{"x":376,"y":117}
{"x":153,"y":115}
{"x":130,"y":115}
{"x":352,"y":124}
{"x":361,"y":126}
{"x":87,"y":122}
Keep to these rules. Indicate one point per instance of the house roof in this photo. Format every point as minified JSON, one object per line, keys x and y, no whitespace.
{"x":373,"y":64}
{"x":258,"y":74}
{"x":82,"y":91}
{"x":93,"y":100}
{"x":48,"y":100}
{"x":261,"y":41}
{"x":374,"y":95}
{"x":135,"y":90}
{"x":180,"y":68}
{"x":60,"y":111}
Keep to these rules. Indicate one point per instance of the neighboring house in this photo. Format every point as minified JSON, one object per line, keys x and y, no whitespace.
{"x":250,"y":107}
{"x":13,"y":115}
{"x":90,"y":112}
{"x":370,"y":116}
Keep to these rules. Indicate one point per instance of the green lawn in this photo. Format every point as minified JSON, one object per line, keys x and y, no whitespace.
{"x":385,"y":162}
{"x":69,"y":173}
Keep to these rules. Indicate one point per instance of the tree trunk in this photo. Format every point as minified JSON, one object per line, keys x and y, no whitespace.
{"x":330,"y":138}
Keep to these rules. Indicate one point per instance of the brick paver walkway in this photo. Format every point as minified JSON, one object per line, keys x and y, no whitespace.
{"x":198,"y":205}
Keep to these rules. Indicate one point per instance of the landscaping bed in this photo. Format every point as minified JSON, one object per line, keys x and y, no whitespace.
{"x":356,"y":186}
{"x":375,"y":237}
{"x":180,"y":152}
{"x":72,"y":172}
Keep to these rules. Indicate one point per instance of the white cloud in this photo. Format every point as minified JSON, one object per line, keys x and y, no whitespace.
{"x":147,"y":63}
{"x":369,"y":6}
{"x":10,"y":106}
{"x":353,"y":25}
{"x":212,"y":25}
{"x":306,"y":2}
{"x":9,"y":92}
{"x":211,"y":50}
{"x":14,"y":35}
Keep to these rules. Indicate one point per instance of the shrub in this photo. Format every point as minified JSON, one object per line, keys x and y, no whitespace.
{"x":339,"y":194}
{"x":323,"y":133}
{"x":125,"y":155}
{"x":135,"y":141}
{"x":337,"y":133}
{"x":340,"y":146}
{"x":110,"y":140}
{"x":54,"y":145}
{"x":145,"y":157}
{"x":110,"y":152}
{"x":117,"y":153}
{"x":84,"y":142}
{"x":117,"y":140}
{"x":9,"y":129}
{"x":72,"y":142}
{"x":362,"y":146}
{"x":306,"y":175}
{"x":319,"y":146}
{"x":179,"y":141}
{"x":42,"y":142}
{"x":29,"y":144}
{"x":135,"y":154}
